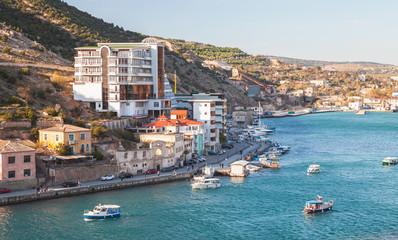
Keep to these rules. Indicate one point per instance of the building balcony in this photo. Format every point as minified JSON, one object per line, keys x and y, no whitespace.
{"x":73,"y":142}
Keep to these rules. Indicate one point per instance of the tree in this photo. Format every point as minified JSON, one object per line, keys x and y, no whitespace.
{"x":223,"y":138}
{"x":63,"y":149}
{"x":98,"y":131}
{"x":34,"y":134}
{"x":186,"y":152}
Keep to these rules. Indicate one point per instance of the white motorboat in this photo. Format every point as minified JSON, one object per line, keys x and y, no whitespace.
{"x":252,"y":168}
{"x":313,"y":169}
{"x":207,"y":172}
{"x":389,"y":161}
{"x":102,"y":212}
{"x":206,"y":183}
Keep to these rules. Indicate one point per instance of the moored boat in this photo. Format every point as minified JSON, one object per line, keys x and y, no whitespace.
{"x":206,"y":183}
{"x":313,"y":169}
{"x":318,"y":205}
{"x":102,"y":212}
{"x":389,"y":161}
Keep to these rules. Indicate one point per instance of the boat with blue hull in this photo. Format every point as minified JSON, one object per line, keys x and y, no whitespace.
{"x":102,"y":212}
{"x":316,"y":206}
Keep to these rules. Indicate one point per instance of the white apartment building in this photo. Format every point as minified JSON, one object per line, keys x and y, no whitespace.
{"x":211,"y":109}
{"x":126,"y":78}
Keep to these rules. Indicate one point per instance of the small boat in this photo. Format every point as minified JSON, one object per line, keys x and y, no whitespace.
{"x":252,"y":168}
{"x":318,"y":206}
{"x":206,"y":183}
{"x":389,"y":161}
{"x":269,"y":163}
{"x":102,"y":212}
{"x":360,"y":112}
{"x":313,"y":169}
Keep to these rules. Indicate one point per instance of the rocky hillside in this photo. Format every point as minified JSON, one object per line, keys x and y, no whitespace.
{"x":47,"y":31}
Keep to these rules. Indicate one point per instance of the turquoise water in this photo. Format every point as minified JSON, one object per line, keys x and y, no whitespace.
{"x":266,"y":205}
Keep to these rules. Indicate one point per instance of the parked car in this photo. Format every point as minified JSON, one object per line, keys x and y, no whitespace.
{"x":151,"y":171}
{"x":168,"y":169}
{"x":69,"y":184}
{"x":125,"y":175}
{"x":201,"y":159}
{"x":221,"y":151}
{"x":5,"y":190}
{"x":226,"y":145}
{"x":238,"y":141}
{"x":107,"y":177}
{"x":212,"y":153}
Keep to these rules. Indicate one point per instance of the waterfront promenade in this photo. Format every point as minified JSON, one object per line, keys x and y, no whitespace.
{"x":183,"y":173}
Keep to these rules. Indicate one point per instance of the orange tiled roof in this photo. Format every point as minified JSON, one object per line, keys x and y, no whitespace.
{"x":173,"y":122}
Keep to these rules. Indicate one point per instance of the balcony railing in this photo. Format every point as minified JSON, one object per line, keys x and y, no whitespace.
{"x":72,"y":142}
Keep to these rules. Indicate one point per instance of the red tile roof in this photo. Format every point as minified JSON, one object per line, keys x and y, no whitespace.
{"x":173,"y":122}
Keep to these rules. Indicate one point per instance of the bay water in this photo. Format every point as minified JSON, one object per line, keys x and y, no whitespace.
{"x":266,"y":205}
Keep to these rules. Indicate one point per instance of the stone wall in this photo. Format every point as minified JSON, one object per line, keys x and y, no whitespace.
{"x":82,"y":173}
{"x":21,"y":124}
{"x":4,"y":134}
{"x":47,"y":124}
{"x":19,"y":184}
{"x":100,"y":187}
{"x":117,"y":124}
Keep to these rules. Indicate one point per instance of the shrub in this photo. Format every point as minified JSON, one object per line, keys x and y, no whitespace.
{"x":98,"y":131}
{"x":41,"y":49}
{"x":79,"y":122}
{"x":6,"y":50}
{"x":12,"y":79}
{"x":41,"y":94}
{"x":22,"y":53}
{"x":25,"y":70}
{"x":63,"y":149}
{"x":50,"y":111}
{"x":4,"y":38}
{"x":34,"y":47}
{"x":97,"y":155}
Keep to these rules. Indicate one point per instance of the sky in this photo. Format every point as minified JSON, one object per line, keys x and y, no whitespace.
{"x":333,"y":30}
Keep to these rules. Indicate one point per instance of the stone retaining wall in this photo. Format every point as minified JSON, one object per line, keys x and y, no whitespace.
{"x":94,"y":188}
{"x":21,"y":124}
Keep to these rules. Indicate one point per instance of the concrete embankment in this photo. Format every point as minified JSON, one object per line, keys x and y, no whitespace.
{"x":64,"y":192}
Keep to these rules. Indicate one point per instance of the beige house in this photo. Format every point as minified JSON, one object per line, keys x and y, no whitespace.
{"x":78,"y":138}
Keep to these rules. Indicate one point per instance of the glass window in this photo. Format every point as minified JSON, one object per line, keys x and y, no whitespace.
{"x":11,"y":174}
{"x":26,"y":158}
{"x":87,"y":147}
{"x":56,"y":138}
{"x":125,"y":155}
{"x":71,"y":137}
{"x":156,"y":104}
{"x":26,"y":172}
{"x":144,"y":153}
{"x":82,"y":136}
{"x":135,"y":154}
{"x":82,"y":148}
{"x":11,"y":160}
{"x":45,"y":137}
{"x":72,"y":149}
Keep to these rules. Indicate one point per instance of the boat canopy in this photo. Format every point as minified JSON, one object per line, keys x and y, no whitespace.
{"x":314,"y":202}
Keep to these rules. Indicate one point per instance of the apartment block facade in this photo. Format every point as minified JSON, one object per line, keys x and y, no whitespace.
{"x":211,"y":109}
{"x":126,"y":78}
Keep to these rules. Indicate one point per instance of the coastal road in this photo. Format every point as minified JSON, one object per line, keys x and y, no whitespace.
{"x":231,"y":155}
